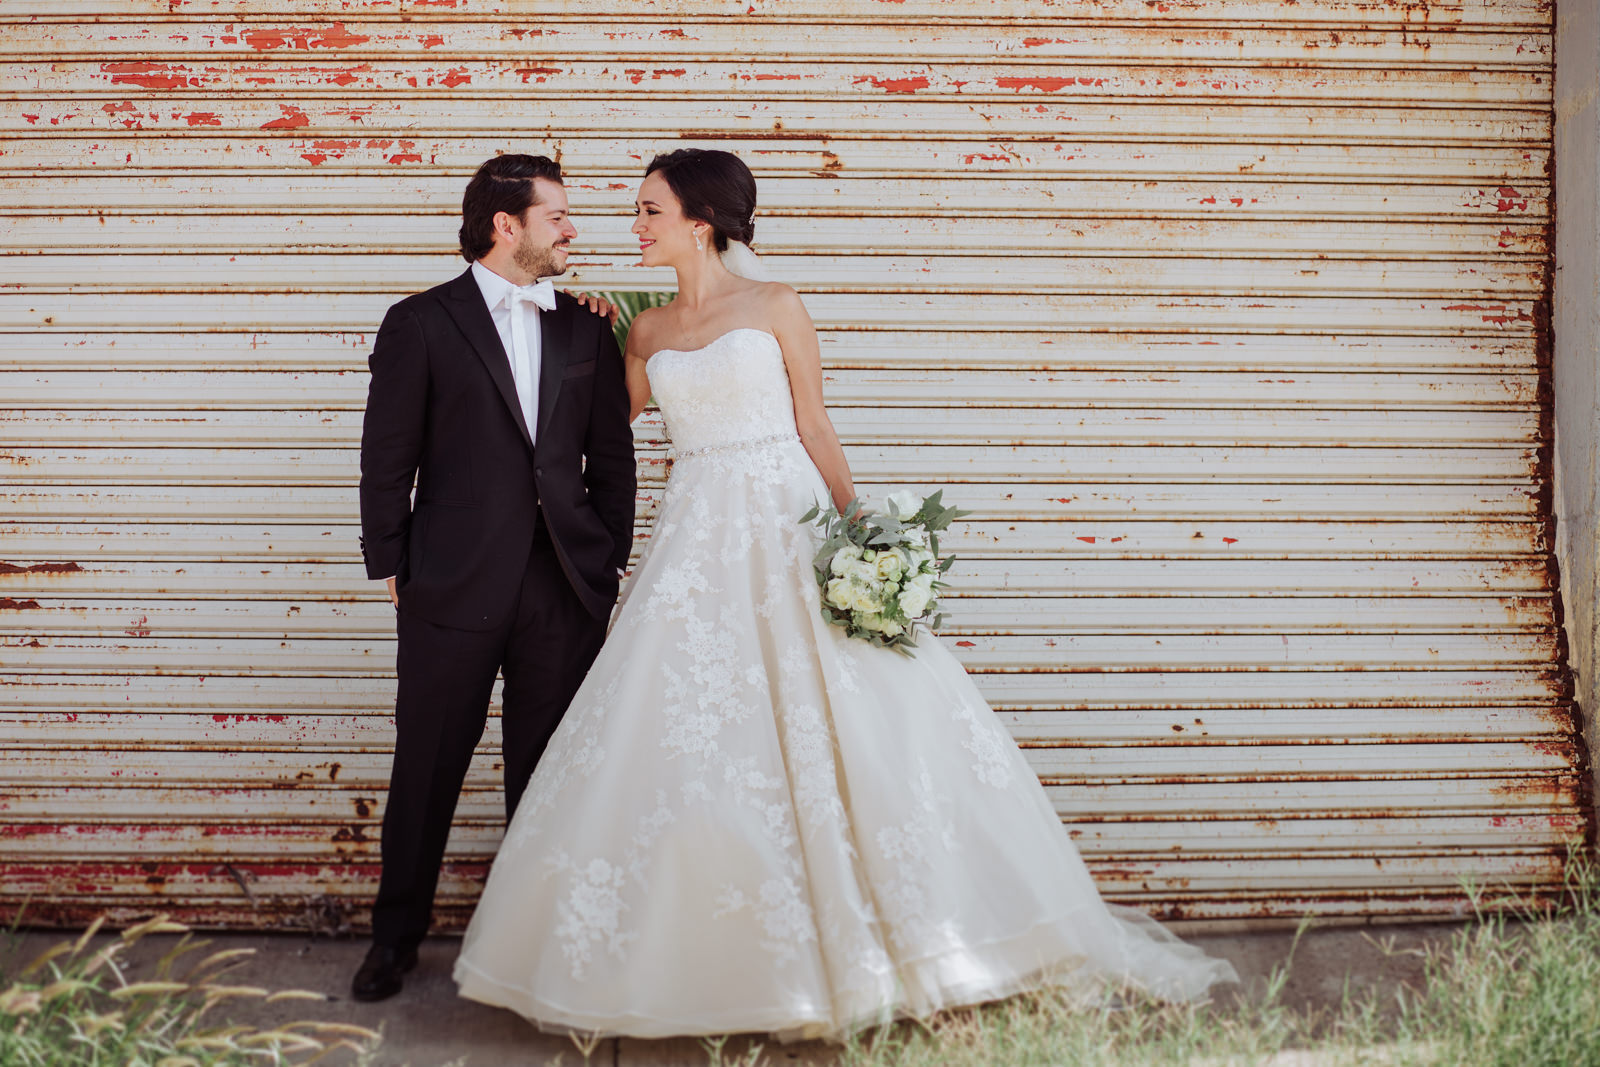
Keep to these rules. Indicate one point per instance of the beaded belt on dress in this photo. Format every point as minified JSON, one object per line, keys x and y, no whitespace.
{"x":738,"y":446}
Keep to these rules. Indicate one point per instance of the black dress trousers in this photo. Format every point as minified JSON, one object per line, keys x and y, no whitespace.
{"x":544,"y":649}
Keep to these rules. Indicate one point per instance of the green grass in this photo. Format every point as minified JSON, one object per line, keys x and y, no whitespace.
{"x":1519,"y":987}
{"x":78,"y":1005}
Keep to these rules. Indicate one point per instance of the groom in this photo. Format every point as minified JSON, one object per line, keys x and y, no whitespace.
{"x":503,"y":402}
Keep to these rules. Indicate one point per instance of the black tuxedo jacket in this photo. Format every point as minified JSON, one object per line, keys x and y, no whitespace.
{"x":442,"y":412}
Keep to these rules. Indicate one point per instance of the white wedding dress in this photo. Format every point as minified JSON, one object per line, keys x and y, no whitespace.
{"x":750,"y":822}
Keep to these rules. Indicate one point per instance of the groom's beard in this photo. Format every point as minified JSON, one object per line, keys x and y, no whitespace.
{"x":540,"y":262}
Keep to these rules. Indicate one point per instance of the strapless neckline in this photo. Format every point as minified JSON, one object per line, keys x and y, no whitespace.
{"x":716,"y":340}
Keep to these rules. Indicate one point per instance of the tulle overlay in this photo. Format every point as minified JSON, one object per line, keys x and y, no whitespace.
{"x":749,"y":822}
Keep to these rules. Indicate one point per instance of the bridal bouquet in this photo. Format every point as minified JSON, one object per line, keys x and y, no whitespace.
{"x":880,"y":572}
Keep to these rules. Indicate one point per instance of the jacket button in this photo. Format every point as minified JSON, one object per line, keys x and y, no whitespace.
{"x":538,"y":472}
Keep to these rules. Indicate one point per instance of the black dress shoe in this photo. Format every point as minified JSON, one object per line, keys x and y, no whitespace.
{"x":380,"y":975}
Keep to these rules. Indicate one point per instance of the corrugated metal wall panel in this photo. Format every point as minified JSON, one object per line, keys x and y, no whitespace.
{"x":1224,"y":316}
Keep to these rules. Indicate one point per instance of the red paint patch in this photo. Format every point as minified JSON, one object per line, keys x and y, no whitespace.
{"x":1087,"y":540}
{"x":1230,"y":540}
{"x":131,"y":122}
{"x":537,"y":73}
{"x":202,"y":118}
{"x":1510,"y":199}
{"x":454,"y":78}
{"x":1043,"y":84}
{"x":8,"y":604}
{"x":305,"y":38}
{"x":292,"y":119}
{"x":965,"y":644}
{"x":894,"y":85}
{"x":1499,"y":316}
{"x":147,"y":75}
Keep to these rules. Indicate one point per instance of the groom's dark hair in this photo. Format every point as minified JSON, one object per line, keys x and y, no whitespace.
{"x":504,"y":183}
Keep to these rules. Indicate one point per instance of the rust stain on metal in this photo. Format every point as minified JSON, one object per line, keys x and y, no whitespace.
{"x":792,"y":119}
{"x":40,"y":568}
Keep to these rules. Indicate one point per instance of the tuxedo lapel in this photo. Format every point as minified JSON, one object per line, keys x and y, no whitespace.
{"x":555,"y":341}
{"x":471,"y":315}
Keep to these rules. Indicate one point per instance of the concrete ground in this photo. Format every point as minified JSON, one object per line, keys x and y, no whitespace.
{"x":429,"y":1026}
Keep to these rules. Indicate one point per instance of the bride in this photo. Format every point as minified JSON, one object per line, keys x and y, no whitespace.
{"x":748,"y":821}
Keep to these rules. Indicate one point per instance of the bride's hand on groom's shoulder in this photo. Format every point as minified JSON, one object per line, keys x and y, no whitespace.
{"x":595,"y":303}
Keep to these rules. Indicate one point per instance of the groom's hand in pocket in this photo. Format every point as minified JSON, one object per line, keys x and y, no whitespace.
{"x":394,"y":597}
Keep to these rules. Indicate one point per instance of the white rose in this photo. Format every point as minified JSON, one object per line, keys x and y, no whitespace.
{"x":890,"y":565}
{"x":914,"y":601}
{"x":917,"y":596}
{"x":890,"y":628}
{"x":863,"y":571}
{"x":843,"y":558}
{"x":904,"y":503}
{"x":846,"y":593}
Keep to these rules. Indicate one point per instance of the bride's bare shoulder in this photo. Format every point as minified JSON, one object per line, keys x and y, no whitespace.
{"x":778,"y":298}
{"x":642,"y":332}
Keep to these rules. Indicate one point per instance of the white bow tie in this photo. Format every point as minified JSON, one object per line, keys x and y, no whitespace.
{"x":541,"y":293}
{"x":523,"y":372}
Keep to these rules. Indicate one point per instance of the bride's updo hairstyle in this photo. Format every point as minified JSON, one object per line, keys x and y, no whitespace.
{"x":715,"y":188}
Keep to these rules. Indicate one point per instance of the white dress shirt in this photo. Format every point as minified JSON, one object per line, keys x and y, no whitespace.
{"x":497,"y":293}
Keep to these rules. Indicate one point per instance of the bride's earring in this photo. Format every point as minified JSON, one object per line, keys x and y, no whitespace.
{"x":697,"y":243}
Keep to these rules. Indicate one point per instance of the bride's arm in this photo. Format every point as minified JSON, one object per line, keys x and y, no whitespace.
{"x":633,"y":361}
{"x":803,"y":360}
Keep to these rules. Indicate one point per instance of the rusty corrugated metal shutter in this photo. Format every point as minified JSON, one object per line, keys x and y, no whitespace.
{"x":1227,"y":317}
